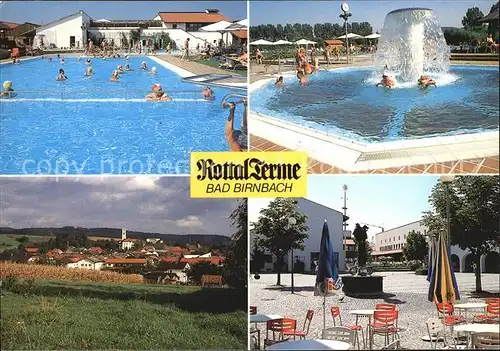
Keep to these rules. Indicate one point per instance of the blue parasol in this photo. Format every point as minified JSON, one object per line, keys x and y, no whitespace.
{"x":328,"y":281}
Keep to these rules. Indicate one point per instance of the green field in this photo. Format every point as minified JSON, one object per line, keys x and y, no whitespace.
{"x":8,"y":241}
{"x":60,"y":315}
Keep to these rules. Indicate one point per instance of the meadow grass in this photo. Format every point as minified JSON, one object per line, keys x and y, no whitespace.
{"x":8,"y":241}
{"x":71,"y":315}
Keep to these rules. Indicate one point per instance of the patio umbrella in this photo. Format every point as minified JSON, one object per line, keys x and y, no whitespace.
{"x":219,"y":27}
{"x":443,"y":285}
{"x":372,"y":36}
{"x":432,"y":258}
{"x":328,"y":281}
{"x":261,"y":42}
{"x":350,"y":36}
{"x":243,"y":24}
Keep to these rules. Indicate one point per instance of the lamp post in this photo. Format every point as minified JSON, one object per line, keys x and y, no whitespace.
{"x":345,"y":16}
{"x":447,"y":180}
{"x":291,"y":222}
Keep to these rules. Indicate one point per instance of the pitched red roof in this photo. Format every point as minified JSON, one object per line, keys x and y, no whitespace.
{"x":8,"y":25}
{"x":31,"y":249}
{"x":125,"y":261}
{"x":334,"y":42}
{"x":128,"y":240}
{"x":74,"y":259}
{"x":96,"y":249}
{"x":170,"y":259}
{"x":213,"y":260}
{"x":192,"y":17}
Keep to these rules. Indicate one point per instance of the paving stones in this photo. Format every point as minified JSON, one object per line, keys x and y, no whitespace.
{"x":405,"y":289}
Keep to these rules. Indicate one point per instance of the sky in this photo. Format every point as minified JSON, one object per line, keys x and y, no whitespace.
{"x":148,"y":204}
{"x":386,"y":201}
{"x":448,"y":12}
{"x":47,"y":11}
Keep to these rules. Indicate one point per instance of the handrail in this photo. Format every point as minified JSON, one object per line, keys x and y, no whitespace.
{"x":215,"y":80}
{"x":120,"y":92}
{"x":232,"y":95}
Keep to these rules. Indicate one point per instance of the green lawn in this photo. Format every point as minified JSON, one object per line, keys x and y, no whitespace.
{"x":59,"y":315}
{"x":216,"y":64}
{"x":8,"y":241}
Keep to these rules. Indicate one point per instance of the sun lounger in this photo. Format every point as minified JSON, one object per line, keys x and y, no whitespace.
{"x":233,"y":64}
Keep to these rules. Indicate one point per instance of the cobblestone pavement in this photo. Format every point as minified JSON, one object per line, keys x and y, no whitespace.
{"x":405,"y":289}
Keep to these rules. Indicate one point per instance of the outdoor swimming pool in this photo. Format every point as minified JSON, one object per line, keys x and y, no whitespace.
{"x":345,"y":102}
{"x":93,"y":126}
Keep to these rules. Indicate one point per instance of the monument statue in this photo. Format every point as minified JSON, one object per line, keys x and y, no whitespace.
{"x":360,"y":236}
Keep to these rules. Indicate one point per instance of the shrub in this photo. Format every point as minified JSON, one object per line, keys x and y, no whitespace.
{"x":9,"y":282}
{"x":414,"y":266}
{"x":421,"y":271}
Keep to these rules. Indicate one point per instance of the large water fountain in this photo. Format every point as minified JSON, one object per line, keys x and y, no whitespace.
{"x":412,"y":43}
{"x":346,"y":102}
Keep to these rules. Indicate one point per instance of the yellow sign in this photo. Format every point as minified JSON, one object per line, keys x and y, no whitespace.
{"x":248,"y":174}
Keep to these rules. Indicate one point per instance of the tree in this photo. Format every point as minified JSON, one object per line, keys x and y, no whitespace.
{"x":416,"y":247}
{"x":257,"y":260}
{"x":235,"y":273}
{"x":272,"y":231}
{"x":23,"y":239}
{"x":199,"y":269}
{"x":474,"y":218}
{"x":135,"y":35}
{"x":360,"y":235}
{"x":471,"y":19}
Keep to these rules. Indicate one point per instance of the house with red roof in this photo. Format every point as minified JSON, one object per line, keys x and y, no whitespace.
{"x":190,"y":21}
{"x":32,"y":251}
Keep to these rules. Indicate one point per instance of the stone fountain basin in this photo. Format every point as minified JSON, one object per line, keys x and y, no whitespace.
{"x":363,"y":286}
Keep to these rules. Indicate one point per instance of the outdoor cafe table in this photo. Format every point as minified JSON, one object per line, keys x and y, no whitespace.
{"x":364,"y":313}
{"x":477,"y":328}
{"x":263,"y":318}
{"x":470,"y":306}
{"x":318,"y":344}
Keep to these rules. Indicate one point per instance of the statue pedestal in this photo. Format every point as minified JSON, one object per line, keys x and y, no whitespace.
{"x":363,"y":286}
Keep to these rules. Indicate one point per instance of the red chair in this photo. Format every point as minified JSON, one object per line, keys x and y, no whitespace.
{"x":385,"y":307}
{"x":14,"y":53}
{"x":336,"y":314}
{"x":492,"y":314}
{"x":305,"y":329}
{"x":493,"y":300}
{"x":449,"y":319}
{"x":279,"y":326}
{"x":253,"y":309}
{"x":384,"y":323}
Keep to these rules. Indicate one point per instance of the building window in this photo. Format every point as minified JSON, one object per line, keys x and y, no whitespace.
{"x":174,"y":26}
{"x":399,"y":237}
{"x":194,"y":27}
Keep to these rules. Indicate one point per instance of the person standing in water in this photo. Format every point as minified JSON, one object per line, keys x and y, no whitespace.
{"x":386,"y":82}
{"x":208,"y":93}
{"x":236,"y":139}
{"x":425,"y":81}
{"x":8,"y":91}
{"x":114,"y":76}
{"x":279,"y":82}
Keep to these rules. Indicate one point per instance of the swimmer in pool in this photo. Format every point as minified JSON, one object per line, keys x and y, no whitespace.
{"x":126,"y":57}
{"x":89,"y":72}
{"x":386,"y":82}
{"x":58,"y":56}
{"x":120,"y":68}
{"x":302,"y":78}
{"x":127,"y":67}
{"x":153,"y":71}
{"x":425,"y":81}
{"x":208,"y":93}
{"x":144,"y":66}
{"x":49,"y":59}
{"x":88,"y":62}
{"x":7,"y":89}
{"x":236,"y":139}
{"x":18,"y":62}
{"x":62,"y":61}
{"x":279,"y":82}
{"x":157,"y":94}
{"x":114,"y":76}
{"x":62,"y":75}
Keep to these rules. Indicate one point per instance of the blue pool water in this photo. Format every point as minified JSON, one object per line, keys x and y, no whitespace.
{"x":93,"y":126}
{"x":345,"y":102}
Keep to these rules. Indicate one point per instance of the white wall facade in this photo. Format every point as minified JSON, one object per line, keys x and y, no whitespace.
{"x":115,"y":34}
{"x":59,"y":32}
{"x":316,"y":216}
{"x":86,"y":264}
{"x":396,"y":238}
